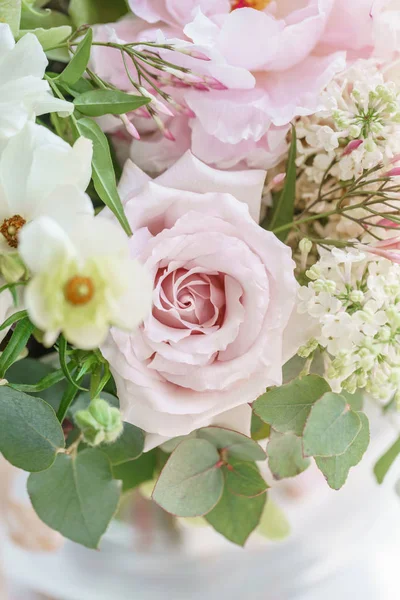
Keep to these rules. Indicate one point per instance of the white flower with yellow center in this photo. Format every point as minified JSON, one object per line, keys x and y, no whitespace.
{"x":23,"y":93}
{"x":83,"y":281}
{"x":40,"y":174}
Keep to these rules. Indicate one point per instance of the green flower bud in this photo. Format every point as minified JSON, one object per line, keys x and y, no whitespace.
{"x":12,"y":268}
{"x":99,"y":423}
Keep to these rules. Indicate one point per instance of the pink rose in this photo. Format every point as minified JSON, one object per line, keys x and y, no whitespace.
{"x":224,"y":290}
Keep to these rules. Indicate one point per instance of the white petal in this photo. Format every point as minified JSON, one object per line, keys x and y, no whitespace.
{"x":26,"y":58}
{"x":41,"y":242}
{"x":65,"y":204}
{"x":6,"y":39}
{"x":136,"y":304}
{"x":98,"y":236}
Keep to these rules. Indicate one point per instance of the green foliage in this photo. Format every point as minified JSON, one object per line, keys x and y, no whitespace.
{"x":34,"y":17}
{"x":103,"y":172}
{"x":274,"y":524}
{"x":30,"y":434}
{"x":331,"y":427}
{"x":336,"y":468}
{"x":191,"y":482}
{"x":10,"y":12}
{"x":236,"y":445}
{"x":259,"y":429}
{"x":97,"y":103}
{"x":385,"y":462}
{"x":77,"y":496}
{"x":49,"y":37}
{"x":127,"y":447}
{"x":285,"y":455}
{"x":34,"y":377}
{"x":235,"y":517}
{"x":16,"y":344}
{"x":283,"y":210}
{"x":96,"y":11}
{"x":135,"y":472}
{"x":244,"y":479}
{"x":287,"y":408}
{"x":77,"y":66}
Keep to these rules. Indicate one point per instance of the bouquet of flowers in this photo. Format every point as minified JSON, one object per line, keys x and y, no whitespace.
{"x":200,"y":203}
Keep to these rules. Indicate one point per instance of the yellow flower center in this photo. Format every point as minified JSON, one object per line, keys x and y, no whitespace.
{"x":10,"y":228}
{"x":257,"y":4}
{"x":79,"y":290}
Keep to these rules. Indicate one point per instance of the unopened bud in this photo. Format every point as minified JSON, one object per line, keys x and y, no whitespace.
{"x":99,"y":423}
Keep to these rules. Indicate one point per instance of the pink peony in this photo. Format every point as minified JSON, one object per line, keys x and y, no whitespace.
{"x":224,"y":290}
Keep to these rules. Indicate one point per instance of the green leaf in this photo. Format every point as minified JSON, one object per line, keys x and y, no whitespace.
{"x":336,"y":468}
{"x":97,"y":103}
{"x":355,"y":400}
{"x":191,"y":482}
{"x":128,"y":446}
{"x":96,"y":11}
{"x":49,"y":37}
{"x":31,"y":376}
{"x":30,"y":433}
{"x":136,"y":472}
{"x":244,"y":479}
{"x":274,"y":524}
{"x":385,"y":462}
{"x":285,"y":455}
{"x":283,"y":211}
{"x":103,"y":171}
{"x":10,"y":12}
{"x":67,"y":399}
{"x":77,"y":66}
{"x":292,"y":369}
{"x":16,"y":344}
{"x":236,"y":444}
{"x":15,"y":317}
{"x":32,"y":19}
{"x":259,"y":429}
{"x":235,"y":517}
{"x":331,"y":427}
{"x":286,"y":408}
{"x":76,"y":496}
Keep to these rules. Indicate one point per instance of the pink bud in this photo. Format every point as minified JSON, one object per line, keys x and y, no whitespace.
{"x":395,"y":159}
{"x":214,"y":84}
{"x":387,"y":223}
{"x":277,"y":180}
{"x":131,"y":129}
{"x":198,"y":55}
{"x":169,"y":135}
{"x":393,"y":172}
{"x":351,"y":146}
{"x":202,"y":87}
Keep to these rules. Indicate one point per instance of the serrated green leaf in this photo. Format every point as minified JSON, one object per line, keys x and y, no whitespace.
{"x":30,"y":434}
{"x":96,"y":11}
{"x":97,"y":103}
{"x":135,"y":472}
{"x":236,"y":444}
{"x":385,"y":462}
{"x":336,"y":468}
{"x":331,"y":427}
{"x":191,"y":482}
{"x":77,"y":66}
{"x":235,"y":517}
{"x":103,"y":170}
{"x":16,"y":344}
{"x":128,"y":446}
{"x":10,"y":13}
{"x":285,"y":455}
{"x":283,"y":211}
{"x":286,"y":408}
{"x":244,"y":479}
{"x":76,"y":496}
{"x":274,"y":524}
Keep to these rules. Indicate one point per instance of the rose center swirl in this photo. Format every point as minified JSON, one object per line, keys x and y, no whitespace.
{"x":10,"y":228}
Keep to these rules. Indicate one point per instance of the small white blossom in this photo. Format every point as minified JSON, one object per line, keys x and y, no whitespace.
{"x":83,"y":281}
{"x":356,"y":300}
{"x":24,"y":94}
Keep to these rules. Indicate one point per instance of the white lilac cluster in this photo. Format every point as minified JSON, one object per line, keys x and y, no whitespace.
{"x":359,"y":125}
{"x":354,"y":300}
{"x":76,"y":268}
